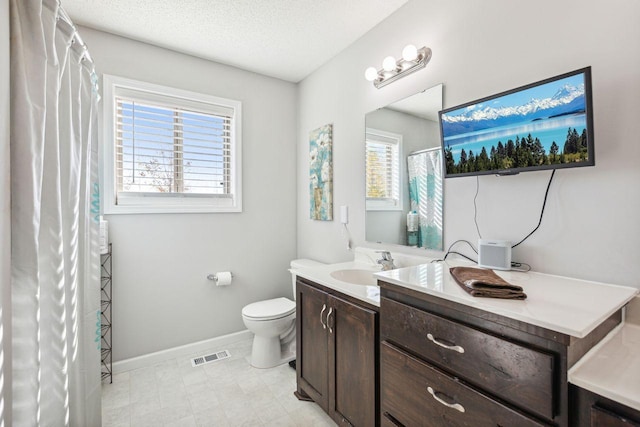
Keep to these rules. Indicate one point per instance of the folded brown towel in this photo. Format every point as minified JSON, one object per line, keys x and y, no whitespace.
{"x":485,"y":283}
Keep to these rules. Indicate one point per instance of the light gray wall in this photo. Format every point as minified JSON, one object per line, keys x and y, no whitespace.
{"x":161,"y":297}
{"x":591,"y":228}
{"x":5,"y":208}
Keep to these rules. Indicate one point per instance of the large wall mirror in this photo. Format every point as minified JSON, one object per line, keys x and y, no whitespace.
{"x":404,"y":187}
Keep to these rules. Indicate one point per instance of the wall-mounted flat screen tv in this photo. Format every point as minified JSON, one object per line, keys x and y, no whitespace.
{"x":543,"y":125}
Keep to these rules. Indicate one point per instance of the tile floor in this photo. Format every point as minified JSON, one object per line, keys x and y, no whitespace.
{"x":224,"y":393}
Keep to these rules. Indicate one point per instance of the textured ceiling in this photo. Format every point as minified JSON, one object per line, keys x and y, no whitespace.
{"x":287,"y":39}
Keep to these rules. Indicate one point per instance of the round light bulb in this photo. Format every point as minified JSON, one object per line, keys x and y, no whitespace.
{"x":371,"y":74}
{"x":409,"y":53}
{"x":389,"y":63}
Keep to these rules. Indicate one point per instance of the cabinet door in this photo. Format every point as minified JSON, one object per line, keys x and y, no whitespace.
{"x":312,"y":356}
{"x":352,"y":364}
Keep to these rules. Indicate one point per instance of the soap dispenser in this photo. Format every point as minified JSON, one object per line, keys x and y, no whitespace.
{"x":413,"y":223}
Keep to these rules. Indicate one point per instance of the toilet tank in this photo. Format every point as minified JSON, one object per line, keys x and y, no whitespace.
{"x":301,"y":263}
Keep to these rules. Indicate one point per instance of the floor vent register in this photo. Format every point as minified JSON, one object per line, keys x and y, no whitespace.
{"x":208,"y":358}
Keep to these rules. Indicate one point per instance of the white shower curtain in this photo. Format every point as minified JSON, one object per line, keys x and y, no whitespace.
{"x":55,"y":270}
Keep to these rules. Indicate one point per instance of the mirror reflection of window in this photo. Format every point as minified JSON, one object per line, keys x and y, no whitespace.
{"x":383,"y":153}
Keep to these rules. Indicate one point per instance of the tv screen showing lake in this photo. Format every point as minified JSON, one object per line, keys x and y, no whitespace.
{"x":537,"y":126}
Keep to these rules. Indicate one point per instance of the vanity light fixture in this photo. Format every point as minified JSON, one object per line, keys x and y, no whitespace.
{"x":413,"y":59}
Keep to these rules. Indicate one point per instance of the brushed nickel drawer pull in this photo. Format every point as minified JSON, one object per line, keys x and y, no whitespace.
{"x":456,"y":406}
{"x":329,"y":324}
{"x":324,"y":307}
{"x":448,"y":347}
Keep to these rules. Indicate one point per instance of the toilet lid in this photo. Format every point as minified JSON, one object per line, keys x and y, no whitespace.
{"x":269,"y":309}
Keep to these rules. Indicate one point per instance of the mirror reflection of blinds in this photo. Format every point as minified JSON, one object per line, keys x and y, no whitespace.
{"x":171,"y":150}
{"x":382,"y":170}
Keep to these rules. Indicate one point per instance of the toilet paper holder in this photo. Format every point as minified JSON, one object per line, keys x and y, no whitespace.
{"x":214,"y":277}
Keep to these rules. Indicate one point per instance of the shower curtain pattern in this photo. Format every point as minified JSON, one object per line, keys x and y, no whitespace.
{"x":55,"y":275}
{"x":425,"y":194}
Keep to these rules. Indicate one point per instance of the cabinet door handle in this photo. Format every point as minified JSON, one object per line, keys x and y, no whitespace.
{"x":448,"y":347}
{"x":324,"y":307}
{"x":329,"y":324}
{"x":456,"y":406}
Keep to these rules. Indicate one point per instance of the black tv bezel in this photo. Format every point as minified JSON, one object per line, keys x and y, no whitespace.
{"x":591,"y":161}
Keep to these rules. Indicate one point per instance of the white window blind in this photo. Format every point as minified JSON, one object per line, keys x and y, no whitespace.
{"x":383,"y":170}
{"x":170,"y":150}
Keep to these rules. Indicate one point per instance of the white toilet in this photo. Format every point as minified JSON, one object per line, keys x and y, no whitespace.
{"x":273,"y":323}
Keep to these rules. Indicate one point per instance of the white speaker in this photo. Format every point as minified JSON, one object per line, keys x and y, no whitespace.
{"x":494,"y":254}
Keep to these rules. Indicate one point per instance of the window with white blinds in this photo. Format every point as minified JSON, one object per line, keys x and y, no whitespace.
{"x":172,"y":150}
{"x":383,"y":170}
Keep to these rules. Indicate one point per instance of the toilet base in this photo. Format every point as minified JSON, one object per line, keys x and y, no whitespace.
{"x":270,"y":352}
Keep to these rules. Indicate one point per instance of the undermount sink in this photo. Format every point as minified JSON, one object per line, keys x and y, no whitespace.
{"x":356,"y":277}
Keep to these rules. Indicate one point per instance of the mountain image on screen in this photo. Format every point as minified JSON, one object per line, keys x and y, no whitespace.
{"x":542,"y":125}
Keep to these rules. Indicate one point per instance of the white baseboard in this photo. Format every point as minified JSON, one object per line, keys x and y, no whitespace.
{"x":181,"y":351}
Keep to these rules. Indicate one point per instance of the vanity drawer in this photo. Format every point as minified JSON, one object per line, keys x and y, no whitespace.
{"x":517,"y":374}
{"x":414,"y":393}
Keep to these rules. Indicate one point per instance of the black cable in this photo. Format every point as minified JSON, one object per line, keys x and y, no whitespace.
{"x":544,"y":203}
{"x":475,"y":207}
{"x":449,"y":251}
{"x":465,"y":241}
{"x":462,"y":255}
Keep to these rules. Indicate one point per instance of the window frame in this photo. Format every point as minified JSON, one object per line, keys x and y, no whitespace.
{"x":148,"y":202}
{"x":395,"y":140}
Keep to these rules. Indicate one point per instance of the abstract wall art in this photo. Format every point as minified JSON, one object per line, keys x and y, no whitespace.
{"x":321,"y":173}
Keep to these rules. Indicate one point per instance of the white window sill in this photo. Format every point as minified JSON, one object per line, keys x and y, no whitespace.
{"x":373,"y":205}
{"x":151,"y":205}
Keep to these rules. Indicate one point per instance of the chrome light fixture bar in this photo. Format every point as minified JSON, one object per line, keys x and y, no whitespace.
{"x":411,"y":61}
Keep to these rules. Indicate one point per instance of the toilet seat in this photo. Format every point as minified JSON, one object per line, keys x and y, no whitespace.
{"x":269,"y":309}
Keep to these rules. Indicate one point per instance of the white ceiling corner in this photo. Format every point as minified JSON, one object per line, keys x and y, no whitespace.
{"x":286,"y":39}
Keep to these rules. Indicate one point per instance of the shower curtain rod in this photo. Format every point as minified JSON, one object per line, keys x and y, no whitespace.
{"x":63,"y":15}
{"x":426,"y":150}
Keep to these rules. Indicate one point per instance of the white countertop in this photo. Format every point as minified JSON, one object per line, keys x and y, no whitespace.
{"x":612,"y":367}
{"x":569,"y":306}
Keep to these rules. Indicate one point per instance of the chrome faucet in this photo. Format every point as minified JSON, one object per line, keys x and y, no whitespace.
{"x":386,"y":261}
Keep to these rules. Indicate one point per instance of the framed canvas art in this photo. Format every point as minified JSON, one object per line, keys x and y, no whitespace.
{"x":321,"y":173}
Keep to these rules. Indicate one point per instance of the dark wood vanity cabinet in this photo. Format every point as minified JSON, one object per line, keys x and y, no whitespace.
{"x":448,"y":364}
{"x":337,"y":342}
{"x":592,"y":410}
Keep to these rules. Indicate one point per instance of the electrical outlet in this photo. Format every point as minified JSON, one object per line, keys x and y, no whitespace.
{"x":344,"y":214}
